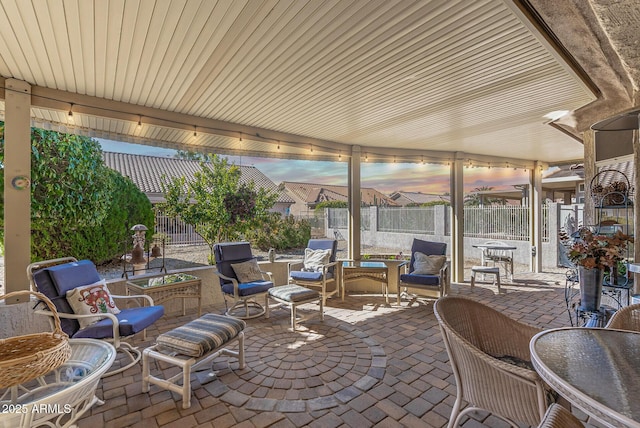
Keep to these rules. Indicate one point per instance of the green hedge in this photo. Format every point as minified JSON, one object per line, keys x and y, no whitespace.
{"x":79,"y":206}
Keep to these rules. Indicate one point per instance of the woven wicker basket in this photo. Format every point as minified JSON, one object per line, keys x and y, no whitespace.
{"x":23,"y":358}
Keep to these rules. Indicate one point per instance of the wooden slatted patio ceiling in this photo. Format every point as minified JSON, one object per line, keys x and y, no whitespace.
{"x":447,"y":81}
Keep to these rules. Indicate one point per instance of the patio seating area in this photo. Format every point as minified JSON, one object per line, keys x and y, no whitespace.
{"x":364,"y":365}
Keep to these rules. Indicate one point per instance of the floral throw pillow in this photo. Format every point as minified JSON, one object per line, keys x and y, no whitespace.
{"x":427,"y":265}
{"x":248,"y":271}
{"x":315,"y":259}
{"x":90,"y":300}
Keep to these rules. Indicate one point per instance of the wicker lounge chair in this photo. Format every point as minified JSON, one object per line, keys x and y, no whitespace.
{"x":627,"y":318}
{"x":559,"y":417}
{"x":489,"y":354}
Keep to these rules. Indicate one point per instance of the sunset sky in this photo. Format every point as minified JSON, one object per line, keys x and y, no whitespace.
{"x":386,"y":178}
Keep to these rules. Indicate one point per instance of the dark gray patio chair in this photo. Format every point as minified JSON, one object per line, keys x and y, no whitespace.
{"x":241,"y":279}
{"x":428,"y":269}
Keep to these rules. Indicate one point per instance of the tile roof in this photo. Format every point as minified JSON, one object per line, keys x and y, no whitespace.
{"x":148,"y":172}
{"x":314,"y":193}
{"x":417,"y":197}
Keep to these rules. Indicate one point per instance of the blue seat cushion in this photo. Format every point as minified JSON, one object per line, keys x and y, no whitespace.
{"x":308,"y":276}
{"x":420,"y":279}
{"x":293,"y":293}
{"x":248,"y":288}
{"x":132,"y":321}
{"x":200,"y":336}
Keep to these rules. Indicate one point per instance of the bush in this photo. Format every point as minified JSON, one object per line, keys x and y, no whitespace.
{"x":281,"y":233}
{"x":128,"y":206}
{"x":79,"y":207}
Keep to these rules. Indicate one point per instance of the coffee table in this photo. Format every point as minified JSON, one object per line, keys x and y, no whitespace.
{"x":166,"y":287}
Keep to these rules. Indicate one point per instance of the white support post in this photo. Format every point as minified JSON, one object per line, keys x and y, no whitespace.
{"x":354,"y":204}
{"x":535,"y":216}
{"x":17,"y":188}
{"x":457,"y":218}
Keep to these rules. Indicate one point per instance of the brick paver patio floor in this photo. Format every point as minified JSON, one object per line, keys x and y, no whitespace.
{"x":365,"y":365}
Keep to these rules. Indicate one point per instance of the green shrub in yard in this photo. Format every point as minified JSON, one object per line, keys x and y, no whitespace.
{"x":129,"y":206}
{"x":79,"y":207}
{"x":281,"y":233}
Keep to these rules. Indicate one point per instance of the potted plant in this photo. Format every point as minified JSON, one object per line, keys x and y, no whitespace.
{"x":593,"y":254}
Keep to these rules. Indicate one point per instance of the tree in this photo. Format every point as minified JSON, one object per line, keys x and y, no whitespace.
{"x":189,"y":155}
{"x":78,"y":205}
{"x":216,"y":204}
{"x":476,"y":199}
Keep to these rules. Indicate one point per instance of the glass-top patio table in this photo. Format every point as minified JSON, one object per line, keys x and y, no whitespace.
{"x":63,"y":395}
{"x":596,"y":369}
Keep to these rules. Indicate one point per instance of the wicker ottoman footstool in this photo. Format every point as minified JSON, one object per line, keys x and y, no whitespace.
{"x":192,"y":345}
{"x":292,"y":295}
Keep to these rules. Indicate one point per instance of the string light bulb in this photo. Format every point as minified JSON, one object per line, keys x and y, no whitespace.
{"x":140,"y":122}
{"x":195,"y":131}
{"x":70,"y":115}
{"x":311,"y":148}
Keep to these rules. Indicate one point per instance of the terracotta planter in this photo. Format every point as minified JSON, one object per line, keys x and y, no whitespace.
{"x":590,"y":288}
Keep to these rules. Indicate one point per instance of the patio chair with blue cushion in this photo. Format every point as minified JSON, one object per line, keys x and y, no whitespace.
{"x":428,"y":270}
{"x":241,"y":279}
{"x":318,"y":269}
{"x":87,"y":309}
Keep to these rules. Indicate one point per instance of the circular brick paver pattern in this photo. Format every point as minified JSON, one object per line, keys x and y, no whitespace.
{"x":317,"y":367}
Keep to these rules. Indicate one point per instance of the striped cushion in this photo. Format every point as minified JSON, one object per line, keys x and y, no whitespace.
{"x":293,"y":293}
{"x":200,"y":336}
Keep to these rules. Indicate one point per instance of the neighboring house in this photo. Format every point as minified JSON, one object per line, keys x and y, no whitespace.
{"x":564,"y":184}
{"x":411,"y":198}
{"x":308,"y":195}
{"x":149,"y":172}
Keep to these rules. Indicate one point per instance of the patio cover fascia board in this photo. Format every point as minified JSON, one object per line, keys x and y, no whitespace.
{"x":62,"y":101}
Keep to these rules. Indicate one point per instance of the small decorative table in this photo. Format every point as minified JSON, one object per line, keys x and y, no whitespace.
{"x":166,"y":287}
{"x":353,"y":270}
